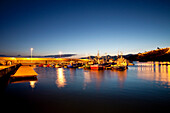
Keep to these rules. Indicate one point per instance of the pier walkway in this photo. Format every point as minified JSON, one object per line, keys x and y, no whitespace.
{"x":25,"y":71}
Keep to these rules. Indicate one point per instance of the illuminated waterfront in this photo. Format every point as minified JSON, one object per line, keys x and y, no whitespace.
{"x":138,"y":89}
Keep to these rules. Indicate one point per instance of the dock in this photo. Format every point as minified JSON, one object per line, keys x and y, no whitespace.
{"x":25,"y":71}
{"x":7,"y":70}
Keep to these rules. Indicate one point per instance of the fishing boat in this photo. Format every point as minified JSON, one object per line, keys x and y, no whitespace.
{"x":121,"y":64}
{"x":96,"y":67}
{"x":119,"y":67}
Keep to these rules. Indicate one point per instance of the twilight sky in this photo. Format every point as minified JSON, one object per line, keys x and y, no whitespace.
{"x":83,"y":26}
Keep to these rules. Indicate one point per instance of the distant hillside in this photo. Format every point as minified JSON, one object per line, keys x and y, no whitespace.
{"x":162,"y":54}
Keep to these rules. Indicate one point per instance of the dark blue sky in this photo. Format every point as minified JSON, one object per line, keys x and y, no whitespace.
{"x":83,"y":27}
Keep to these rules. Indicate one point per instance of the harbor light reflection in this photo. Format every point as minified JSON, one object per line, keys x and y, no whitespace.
{"x":60,"y":81}
{"x":32,"y":84}
{"x":156,"y":73}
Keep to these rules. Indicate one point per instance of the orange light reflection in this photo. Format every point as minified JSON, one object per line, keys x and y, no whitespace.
{"x":32,"y":84}
{"x":60,"y":81}
{"x":156,"y":73}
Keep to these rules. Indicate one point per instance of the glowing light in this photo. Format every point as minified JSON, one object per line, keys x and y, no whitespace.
{"x":60,"y":53}
{"x":60,"y":81}
{"x":32,"y":84}
{"x":156,"y":73}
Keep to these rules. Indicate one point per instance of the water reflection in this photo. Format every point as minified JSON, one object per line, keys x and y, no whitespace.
{"x":32,"y":84}
{"x":158,"y":73}
{"x":31,"y":80}
{"x":122,"y":75}
{"x":87,"y":79}
{"x":91,"y":76}
{"x":98,"y":76}
{"x":60,"y":81}
{"x":72,"y":73}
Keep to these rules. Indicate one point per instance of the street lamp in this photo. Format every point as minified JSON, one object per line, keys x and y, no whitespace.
{"x":31,"y":53}
{"x":60,"y":53}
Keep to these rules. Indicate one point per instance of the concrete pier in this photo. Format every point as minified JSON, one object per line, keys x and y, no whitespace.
{"x":25,"y":71}
{"x":5,"y":70}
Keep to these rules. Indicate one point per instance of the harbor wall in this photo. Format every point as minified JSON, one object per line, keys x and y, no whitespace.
{"x":8,"y":69}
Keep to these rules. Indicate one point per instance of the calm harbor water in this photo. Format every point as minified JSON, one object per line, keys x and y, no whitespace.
{"x":136,"y":90}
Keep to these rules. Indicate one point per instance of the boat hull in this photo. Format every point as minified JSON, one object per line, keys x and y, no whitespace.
{"x":96,"y":67}
{"x":121,"y":68}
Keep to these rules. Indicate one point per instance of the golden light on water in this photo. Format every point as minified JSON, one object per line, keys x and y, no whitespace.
{"x":60,"y":81}
{"x":32,"y":84}
{"x":87,"y":78}
{"x":155,"y":73}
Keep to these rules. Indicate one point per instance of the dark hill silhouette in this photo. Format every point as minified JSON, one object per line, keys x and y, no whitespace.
{"x":162,"y":54}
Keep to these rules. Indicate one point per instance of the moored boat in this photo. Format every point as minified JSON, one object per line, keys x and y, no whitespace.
{"x":119,"y":67}
{"x":96,"y":67}
{"x":70,"y":66}
{"x":86,"y":66}
{"x":57,"y":66}
{"x":45,"y":65}
{"x":41,"y":65}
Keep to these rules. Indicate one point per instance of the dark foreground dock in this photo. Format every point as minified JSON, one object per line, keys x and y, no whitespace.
{"x":6,"y":70}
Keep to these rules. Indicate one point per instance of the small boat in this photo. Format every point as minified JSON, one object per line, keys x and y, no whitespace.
{"x":86,"y":66}
{"x":96,"y":67}
{"x":65,"y":66}
{"x":108,"y":68}
{"x":41,"y":65}
{"x":69,"y":66}
{"x":118,"y":67}
{"x":80,"y":67}
{"x":48,"y":65}
{"x":121,"y":64}
{"x":57,"y":66}
{"x":72,"y":66}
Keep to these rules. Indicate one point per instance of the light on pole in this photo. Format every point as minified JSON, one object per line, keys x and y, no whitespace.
{"x":60,"y":53}
{"x":31,"y":53}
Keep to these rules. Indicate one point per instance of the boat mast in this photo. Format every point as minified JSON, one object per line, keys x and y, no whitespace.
{"x":106,"y":57}
{"x":98,"y":57}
